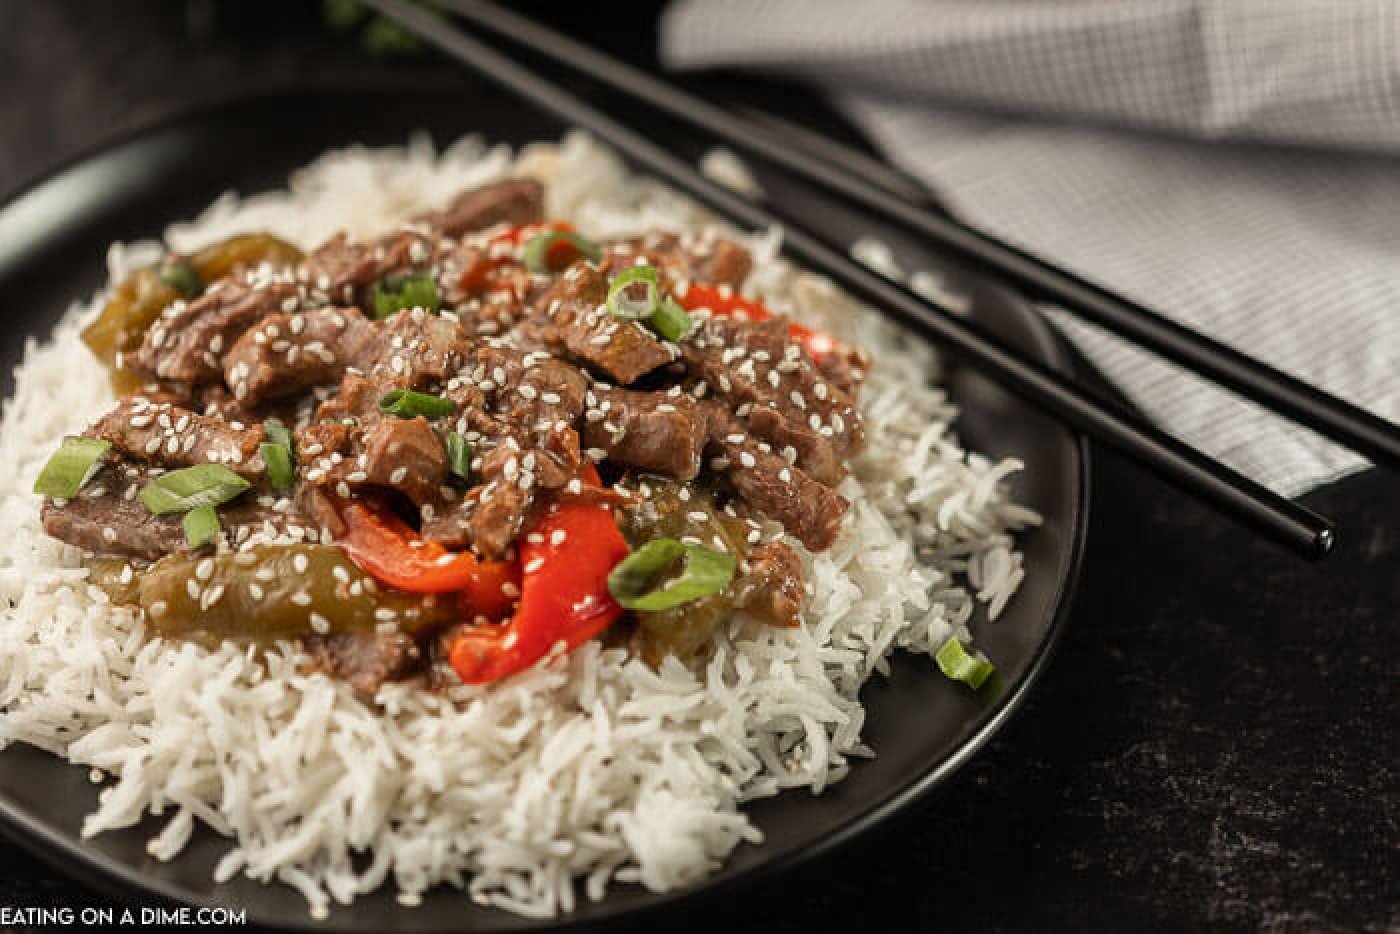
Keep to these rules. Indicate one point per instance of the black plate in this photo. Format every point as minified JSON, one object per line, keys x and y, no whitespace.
{"x":922,"y":726}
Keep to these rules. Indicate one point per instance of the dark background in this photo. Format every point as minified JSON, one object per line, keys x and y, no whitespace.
{"x":1212,"y":748}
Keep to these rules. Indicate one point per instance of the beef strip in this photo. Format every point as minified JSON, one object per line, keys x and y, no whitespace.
{"x":530,"y":397}
{"x":515,"y":201}
{"x":343,"y":270}
{"x":808,"y":449}
{"x":108,"y":518}
{"x":684,"y":259}
{"x":265,"y":517}
{"x":411,"y":350}
{"x":719,"y":262}
{"x":215,"y":401}
{"x":772,"y":385}
{"x":365,"y":659}
{"x":810,"y":511}
{"x":518,"y":411}
{"x":349,"y":444}
{"x":161,"y":433}
{"x":288,"y":354}
{"x":355,"y":396}
{"x":380,"y":451}
{"x":659,"y":431}
{"x":527,"y":387}
{"x":771,"y":585}
{"x":492,"y":513}
{"x":844,"y":368}
{"x":315,"y":503}
{"x":185,"y":343}
{"x":572,"y":321}
{"x":407,"y":455}
{"x":414,"y":350}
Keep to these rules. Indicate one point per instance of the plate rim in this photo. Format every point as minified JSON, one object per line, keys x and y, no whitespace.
{"x":124,"y":882}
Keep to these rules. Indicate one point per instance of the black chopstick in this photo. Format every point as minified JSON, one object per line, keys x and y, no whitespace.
{"x":852,"y":160}
{"x":1347,"y":424}
{"x":1234,"y":494}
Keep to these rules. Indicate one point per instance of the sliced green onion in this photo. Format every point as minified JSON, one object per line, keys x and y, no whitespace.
{"x":395,"y":293}
{"x":180,"y":275}
{"x":670,"y":320}
{"x":705,"y":572}
{"x":955,"y":662}
{"x":405,"y":403}
{"x":459,"y":455}
{"x":540,"y":249}
{"x":621,"y":304}
{"x":71,"y":467}
{"x":201,"y":526}
{"x":192,"y":487}
{"x":277,"y":433}
{"x":279,"y":454}
{"x":281,"y":472}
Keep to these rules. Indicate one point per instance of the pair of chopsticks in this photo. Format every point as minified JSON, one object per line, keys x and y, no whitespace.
{"x":879,"y":192}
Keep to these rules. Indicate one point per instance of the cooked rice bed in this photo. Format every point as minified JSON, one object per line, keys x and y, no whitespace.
{"x":542,"y":790}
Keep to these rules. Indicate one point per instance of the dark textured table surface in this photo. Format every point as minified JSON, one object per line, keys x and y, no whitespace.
{"x":1212,"y":748}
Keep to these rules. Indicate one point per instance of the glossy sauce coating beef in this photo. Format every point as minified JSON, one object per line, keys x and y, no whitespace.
{"x":537,"y":379}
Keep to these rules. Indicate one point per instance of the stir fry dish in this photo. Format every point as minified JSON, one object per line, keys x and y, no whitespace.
{"x":458,"y":449}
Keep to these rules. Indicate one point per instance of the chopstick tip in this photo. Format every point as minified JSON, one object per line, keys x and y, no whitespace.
{"x":1323,"y":542}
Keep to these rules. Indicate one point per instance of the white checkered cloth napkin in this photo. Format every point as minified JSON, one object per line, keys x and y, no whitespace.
{"x":1156,"y":146}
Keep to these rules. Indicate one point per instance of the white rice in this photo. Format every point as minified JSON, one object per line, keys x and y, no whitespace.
{"x":536,"y":792}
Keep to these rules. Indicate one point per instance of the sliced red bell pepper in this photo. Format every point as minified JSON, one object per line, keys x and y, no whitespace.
{"x":492,"y":592}
{"x":387,"y":548}
{"x":725,"y":303}
{"x":497,"y":272}
{"x":565,"y":560}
